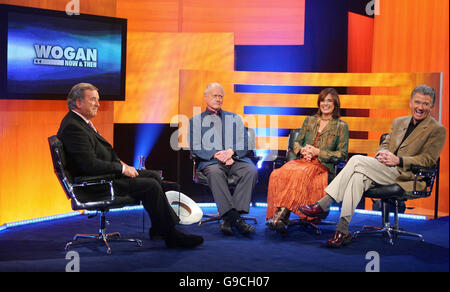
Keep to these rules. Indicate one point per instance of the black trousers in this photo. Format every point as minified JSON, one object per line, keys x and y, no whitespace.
{"x":147,"y":188}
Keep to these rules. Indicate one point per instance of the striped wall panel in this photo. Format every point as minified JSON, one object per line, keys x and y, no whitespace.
{"x":288,"y":111}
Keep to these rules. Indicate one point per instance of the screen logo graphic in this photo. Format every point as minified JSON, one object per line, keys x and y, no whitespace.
{"x":68,"y":57}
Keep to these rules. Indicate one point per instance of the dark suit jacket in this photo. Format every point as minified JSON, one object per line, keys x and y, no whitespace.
{"x":87,"y":153}
{"x":422,"y":147}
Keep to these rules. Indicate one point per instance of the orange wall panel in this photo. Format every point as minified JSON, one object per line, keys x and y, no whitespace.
{"x":413,"y":36}
{"x":193,"y":82}
{"x":153,"y":64}
{"x":96,"y":7}
{"x":253,"y":22}
{"x":360,"y":43}
{"x":150,"y":16}
{"x":28,"y":186}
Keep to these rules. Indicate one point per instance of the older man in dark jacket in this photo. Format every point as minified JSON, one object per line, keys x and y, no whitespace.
{"x":89,"y":154}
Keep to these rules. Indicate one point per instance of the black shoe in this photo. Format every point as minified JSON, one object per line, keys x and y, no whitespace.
{"x":243,"y":227}
{"x":226,"y":227}
{"x":178,"y":239}
{"x":156,"y":235}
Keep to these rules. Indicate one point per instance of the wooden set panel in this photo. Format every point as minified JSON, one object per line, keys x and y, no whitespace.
{"x":153,"y":64}
{"x":396,"y":101}
{"x":252,"y":22}
{"x":28,"y":186}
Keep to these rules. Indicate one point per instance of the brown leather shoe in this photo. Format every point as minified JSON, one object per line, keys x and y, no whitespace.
{"x":243,"y":227}
{"x":313,"y":210}
{"x":226,"y":227}
{"x":339,"y":239}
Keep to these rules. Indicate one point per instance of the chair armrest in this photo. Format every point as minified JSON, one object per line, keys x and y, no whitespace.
{"x":93,"y":179}
{"x":195,"y":158}
{"x":280,"y":159}
{"x":255,"y":159}
{"x":335,"y":160}
{"x":86,"y":182}
{"x":423,"y":171}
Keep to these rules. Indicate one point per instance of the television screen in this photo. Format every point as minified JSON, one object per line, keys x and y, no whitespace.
{"x":45,"y":52}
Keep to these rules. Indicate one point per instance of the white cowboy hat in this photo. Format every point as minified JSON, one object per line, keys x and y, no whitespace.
{"x":185,"y":208}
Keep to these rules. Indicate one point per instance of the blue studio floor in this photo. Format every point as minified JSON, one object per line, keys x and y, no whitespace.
{"x":40,"y":247}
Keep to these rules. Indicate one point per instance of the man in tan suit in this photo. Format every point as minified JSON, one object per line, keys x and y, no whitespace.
{"x":413,"y":140}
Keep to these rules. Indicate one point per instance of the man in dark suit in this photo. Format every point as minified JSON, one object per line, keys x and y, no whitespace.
{"x":413,"y":140}
{"x":219,"y":139}
{"x":89,"y":154}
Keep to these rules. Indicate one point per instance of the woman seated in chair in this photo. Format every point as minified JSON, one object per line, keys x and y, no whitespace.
{"x":302,"y":180}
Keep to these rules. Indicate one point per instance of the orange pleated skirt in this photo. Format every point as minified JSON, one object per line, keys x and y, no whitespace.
{"x":298,"y":182}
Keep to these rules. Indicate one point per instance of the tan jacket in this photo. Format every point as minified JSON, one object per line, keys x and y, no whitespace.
{"x":422,"y":147}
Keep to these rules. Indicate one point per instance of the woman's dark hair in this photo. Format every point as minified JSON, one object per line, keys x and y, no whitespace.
{"x":337,"y":103}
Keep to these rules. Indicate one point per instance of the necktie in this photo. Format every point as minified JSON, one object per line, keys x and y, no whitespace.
{"x":92,"y":126}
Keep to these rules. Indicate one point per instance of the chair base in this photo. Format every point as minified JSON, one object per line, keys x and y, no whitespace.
{"x":388,"y":230}
{"x":312,"y":224}
{"x":102,"y":237}
{"x":216,"y":217}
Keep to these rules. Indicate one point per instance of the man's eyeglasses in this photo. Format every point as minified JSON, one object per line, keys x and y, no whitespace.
{"x":217,"y":96}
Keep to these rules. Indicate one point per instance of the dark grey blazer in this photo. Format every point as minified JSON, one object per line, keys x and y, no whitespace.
{"x":233,"y":136}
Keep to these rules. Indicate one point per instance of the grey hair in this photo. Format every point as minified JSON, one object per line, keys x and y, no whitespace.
{"x":425,"y":90}
{"x":77,"y":93}
{"x":211,"y":85}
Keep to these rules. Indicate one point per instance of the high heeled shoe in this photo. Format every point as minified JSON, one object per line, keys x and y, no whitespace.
{"x":279,"y":221}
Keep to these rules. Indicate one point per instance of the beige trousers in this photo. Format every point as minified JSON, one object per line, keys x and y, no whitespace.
{"x":359,"y":174}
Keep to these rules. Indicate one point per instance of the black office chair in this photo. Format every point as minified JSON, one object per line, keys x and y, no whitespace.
{"x":394,"y":195}
{"x":95,"y":193}
{"x":200,"y":178}
{"x":290,"y":155}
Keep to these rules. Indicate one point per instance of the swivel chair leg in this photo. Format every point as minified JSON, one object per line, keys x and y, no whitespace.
{"x":80,"y":239}
{"x":401,"y":232}
{"x":305,"y":223}
{"x":388,"y":230}
{"x":385,"y":230}
{"x":216,"y":217}
{"x":102,"y":237}
{"x":210,"y":218}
